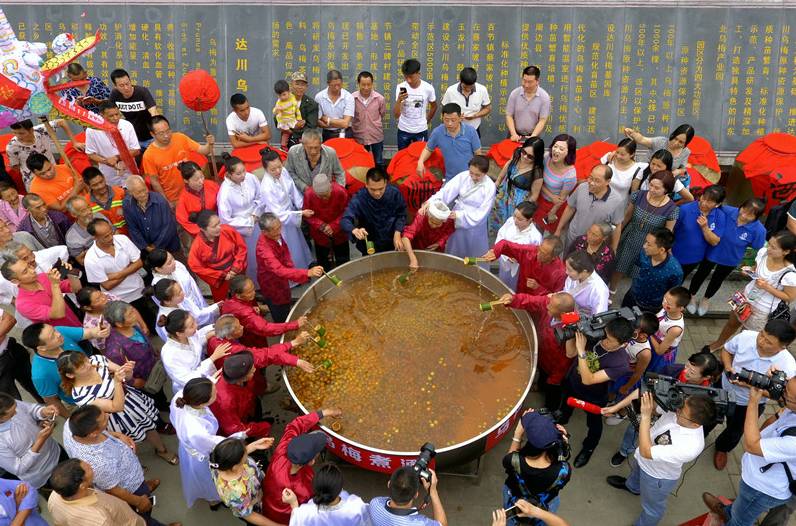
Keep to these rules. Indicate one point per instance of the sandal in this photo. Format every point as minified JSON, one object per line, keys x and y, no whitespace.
{"x":169,"y":457}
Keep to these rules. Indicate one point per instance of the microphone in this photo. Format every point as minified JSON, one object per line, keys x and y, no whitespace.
{"x":586,"y":406}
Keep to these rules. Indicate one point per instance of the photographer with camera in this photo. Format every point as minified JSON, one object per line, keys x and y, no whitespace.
{"x":769,"y":463}
{"x":591,"y":378}
{"x":675,"y":439}
{"x":538,"y":469}
{"x":757,"y":352}
{"x":402,"y":507}
{"x":701,"y":369}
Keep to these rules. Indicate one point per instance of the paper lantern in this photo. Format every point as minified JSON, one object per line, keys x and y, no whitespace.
{"x":199,"y":91}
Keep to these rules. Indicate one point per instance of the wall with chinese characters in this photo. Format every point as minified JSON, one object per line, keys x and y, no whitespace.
{"x":729,"y":71}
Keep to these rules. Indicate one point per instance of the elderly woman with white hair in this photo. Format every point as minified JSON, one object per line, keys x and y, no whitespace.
{"x":596,"y":243}
{"x":430,"y":230}
{"x":519,"y":228}
{"x":150,"y":221}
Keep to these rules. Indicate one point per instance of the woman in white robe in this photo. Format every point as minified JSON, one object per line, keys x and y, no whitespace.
{"x":470,"y":195}
{"x":240,"y":206}
{"x":184,"y":353}
{"x":170,"y":297}
{"x":518,"y":229}
{"x":197,"y":429}
{"x":281,"y":197}
{"x":163,"y":265}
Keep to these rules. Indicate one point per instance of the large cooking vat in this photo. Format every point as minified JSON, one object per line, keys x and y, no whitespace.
{"x":382,"y":458}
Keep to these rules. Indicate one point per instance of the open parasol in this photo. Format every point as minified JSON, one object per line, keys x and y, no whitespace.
{"x":199,"y":92}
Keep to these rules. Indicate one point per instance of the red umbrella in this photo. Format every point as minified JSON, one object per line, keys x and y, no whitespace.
{"x":776,"y":187}
{"x":767,"y":153}
{"x":502,"y":151}
{"x":199,"y":92}
{"x":250,"y":155}
{"x":589,"y":156}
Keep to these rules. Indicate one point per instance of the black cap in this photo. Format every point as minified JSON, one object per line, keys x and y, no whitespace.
{"x":302,"y":449}
{"x":238,"y":365}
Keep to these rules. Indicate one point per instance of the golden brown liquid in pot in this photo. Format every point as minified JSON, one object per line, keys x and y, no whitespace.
{"x":414,"y":362}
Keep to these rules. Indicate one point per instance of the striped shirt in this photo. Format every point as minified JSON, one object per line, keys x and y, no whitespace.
{"x":559,"y":183}
{"x":381,"y":516}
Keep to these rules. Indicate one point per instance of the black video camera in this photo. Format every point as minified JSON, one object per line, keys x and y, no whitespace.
{"x":594,"y":327}
{"x":774,"y":384}
{"x":671,"y":394}
{"x":427,"y":452}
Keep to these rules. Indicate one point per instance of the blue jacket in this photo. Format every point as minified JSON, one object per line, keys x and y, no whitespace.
{"x":155,"y":226}
{"x":380,"y":217}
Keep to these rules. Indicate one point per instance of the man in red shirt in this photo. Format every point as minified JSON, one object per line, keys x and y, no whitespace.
{"x":275,"y":268}
{"x":429,"y":231}
{"x":291,"y":465}
{"x":546,"y":312}
{"x":236,"y":406}
{"x":541,"y":268}
{"x":40,"y":297}
{"x":245,"y":308}
{"x":328,"y":200}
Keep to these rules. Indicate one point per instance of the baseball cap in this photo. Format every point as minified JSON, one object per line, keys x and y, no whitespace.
{"x":298,"y":76}
{"x":302,"y":449}
{"x":540,"y":430}
{"x":238,"y":365}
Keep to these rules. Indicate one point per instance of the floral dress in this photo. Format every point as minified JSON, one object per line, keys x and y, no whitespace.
{"x":244,"y":495}
{"x":512,"y":191}
{"x":603,"y":258}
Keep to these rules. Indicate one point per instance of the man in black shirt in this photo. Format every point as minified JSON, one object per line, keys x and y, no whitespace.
{"x":136,"y":104}
{"x":590,"y":378}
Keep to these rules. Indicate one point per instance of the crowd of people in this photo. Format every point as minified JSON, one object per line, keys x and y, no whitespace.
{"x":105,"y":271}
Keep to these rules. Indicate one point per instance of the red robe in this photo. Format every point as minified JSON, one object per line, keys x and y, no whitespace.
{"x":278,"y":476}
{"x":263,"y":357}
{"x":255,"y":328}
{"x":274,"y":270}
{"x":189,"y":202}
{"x":552,"y":355}
{"x":235,"y":405}
{"x":423,"y":235}
{"x":327,"y":212}
{"x":550,"y":276}
{"x":212,"y":261}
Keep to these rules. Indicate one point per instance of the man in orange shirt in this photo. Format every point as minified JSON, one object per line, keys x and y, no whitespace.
{"x":54,"y":183}
{"x":161,"y":160}
{"x":105,"y":199}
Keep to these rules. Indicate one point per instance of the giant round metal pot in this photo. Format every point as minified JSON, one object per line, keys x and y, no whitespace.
{"x":383,"y":460}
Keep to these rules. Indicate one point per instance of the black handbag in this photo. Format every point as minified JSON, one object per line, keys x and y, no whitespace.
{"x":782,"y":311}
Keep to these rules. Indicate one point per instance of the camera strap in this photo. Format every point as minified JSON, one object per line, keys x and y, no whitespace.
{"x":788,"y":432}
{"x":558,"y":483}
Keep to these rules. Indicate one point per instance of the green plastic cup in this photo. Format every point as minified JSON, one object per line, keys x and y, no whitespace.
{"x":486,"y":307}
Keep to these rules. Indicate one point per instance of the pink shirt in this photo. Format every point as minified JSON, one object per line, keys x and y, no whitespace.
{"x":367,"y":124}
{"x":35,"y":304}
{"x":11,"y":216}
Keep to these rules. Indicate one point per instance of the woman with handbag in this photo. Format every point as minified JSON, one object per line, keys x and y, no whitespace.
{"x":769,"y":294}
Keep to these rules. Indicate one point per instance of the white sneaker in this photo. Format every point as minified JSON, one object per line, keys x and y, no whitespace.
{"x":704,"y":306}
{"x":614,"y":420}
{"x":692,"y":306}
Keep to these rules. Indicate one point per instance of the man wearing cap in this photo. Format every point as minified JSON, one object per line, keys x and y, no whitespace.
{"x":429,"y":231}
{"x":291,"y":465}
{"x":237,"y":406}
{"x":307,"y":106}
{"x":547,"y":310}
{"x":328,"y":200}
{"x":536,"y":470}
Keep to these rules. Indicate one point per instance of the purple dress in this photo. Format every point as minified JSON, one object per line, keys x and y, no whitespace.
{"x":119,"y":348}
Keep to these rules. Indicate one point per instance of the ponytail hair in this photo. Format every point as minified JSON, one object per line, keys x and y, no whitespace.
{"x":174,"y":322}
{"x":710,"y":366}
{"x":267,"y":155}
{"x":155,"y":258}
{"x":230,"y":162}
{"x":188,"y":168}
{"x":227,"y":454}
{"x":202,"y":219}
{"x":164,"y":290}
{"x":327,"y":484}
{"x":196,"y":392}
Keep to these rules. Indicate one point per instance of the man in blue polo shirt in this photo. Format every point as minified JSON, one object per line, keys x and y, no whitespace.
{"x":48,"y":343}
{"x":658,"y":271}
{"x":457,"y":143}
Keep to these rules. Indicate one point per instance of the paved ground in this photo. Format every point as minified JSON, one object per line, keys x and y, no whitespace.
{"x":469,"y":500}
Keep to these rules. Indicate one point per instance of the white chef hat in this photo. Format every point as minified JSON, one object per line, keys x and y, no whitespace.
{"x":439,"y":210}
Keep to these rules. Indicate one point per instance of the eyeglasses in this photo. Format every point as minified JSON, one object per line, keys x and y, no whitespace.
{"x":527,"y":155}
